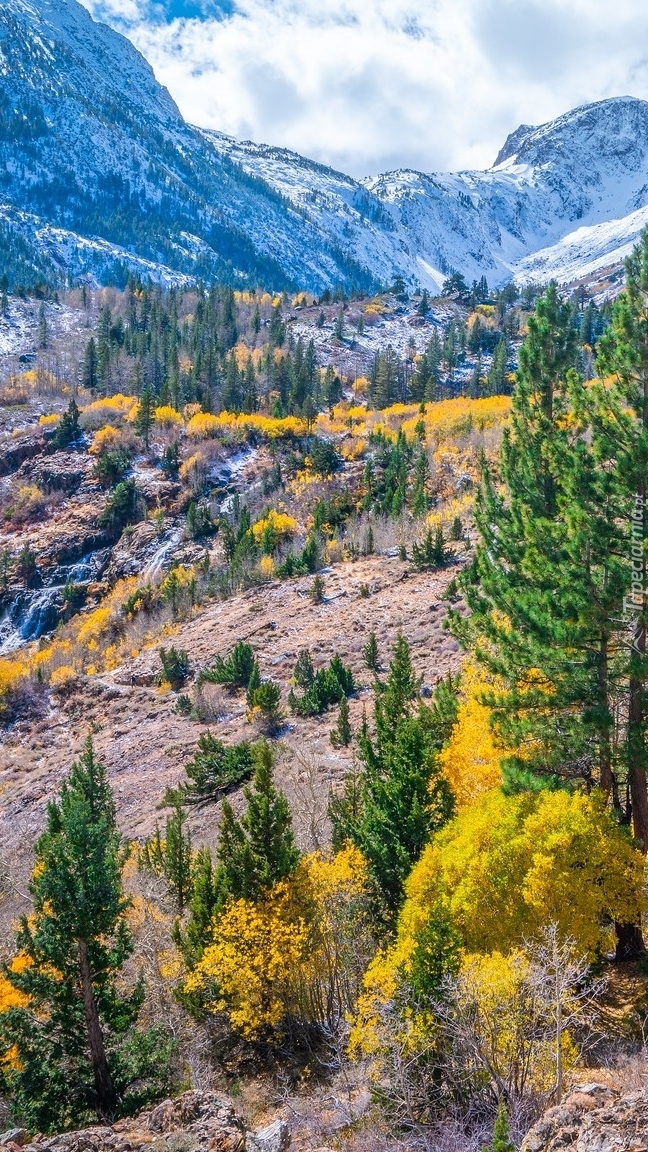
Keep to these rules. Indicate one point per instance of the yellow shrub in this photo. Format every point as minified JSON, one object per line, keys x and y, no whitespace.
{"x":204,"y":424}
{"x":470,"y":760}
{"x":26,"y":503}
{"x":194,"y":471}
{"x":111,"y":406}
{"x":266,"y":567}
{"x":94,"y":625}
{"x":48,"y":421}
{"x":64,"y":674}
{"x":497,"y":994}
{"x":167,"y":417}
{"x":107,"y":439}
{"x":281,"y":523}
{"x":353,"y":449}
{"x":291,"y":955}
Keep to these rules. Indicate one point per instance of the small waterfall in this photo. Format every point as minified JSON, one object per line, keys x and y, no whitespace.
{"x":156,"y":564}
{"x":30,"y":616}
{"x":228,"y":472}
{"x":32,"y":613}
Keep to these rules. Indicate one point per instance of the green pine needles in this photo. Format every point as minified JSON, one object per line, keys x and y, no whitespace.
{"x":79,"y":1053}
{"x":390,"y":808}
{"x":557,"y":601}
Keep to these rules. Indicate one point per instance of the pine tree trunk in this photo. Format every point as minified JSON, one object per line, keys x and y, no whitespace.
{"x":636,"y":765}
{"x":106,"y":1096}
{"x":636,"y":689}
{"x":606,"y":778}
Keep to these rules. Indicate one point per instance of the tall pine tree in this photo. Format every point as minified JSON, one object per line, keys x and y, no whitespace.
{"x":77,"y":1052}
{"x":399,"y":797}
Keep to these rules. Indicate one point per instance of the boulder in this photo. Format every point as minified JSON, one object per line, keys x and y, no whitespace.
{"x":594,"y":1118}
{"x":19,"y":1136}
{"x":13,"y":451}
{"x":195,"y":1122}
{"x":274,"y":1138}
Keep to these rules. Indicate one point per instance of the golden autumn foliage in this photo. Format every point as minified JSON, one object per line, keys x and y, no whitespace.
{"x":508,"y":865}
{"x":498,"y":1023}
{"x":266,"y":567}
{"x":281,"y":523}
{"x":444,"y":421}
{"x":110,"y":407}
{"x":470,"y":759}
{"x":10,"y":997}
{"x":496,"y":992}
{"x":503,"y":870}
{"x":107,"y":439}
{"x":204,"y":424}
{"x":292,"y":958}
{"x":167,"y":417}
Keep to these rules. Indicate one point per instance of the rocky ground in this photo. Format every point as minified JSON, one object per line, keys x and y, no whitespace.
{"x":145,"y":742}
{"x":195,"y":1122}
{"x":594,"y":1118}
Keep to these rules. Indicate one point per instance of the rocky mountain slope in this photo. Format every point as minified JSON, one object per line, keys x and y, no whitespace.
{"x":99,"y":172}
{"x":91,"y":144}
{"x":586,"y":168}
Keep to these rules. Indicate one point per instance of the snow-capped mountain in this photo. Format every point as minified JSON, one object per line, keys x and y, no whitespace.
{"x":585,"y":168}
{"x":99,"y":172}
{"x":90,"y":143}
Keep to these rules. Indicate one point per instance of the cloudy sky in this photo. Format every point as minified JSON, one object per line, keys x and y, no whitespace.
{"x":370,"y":85}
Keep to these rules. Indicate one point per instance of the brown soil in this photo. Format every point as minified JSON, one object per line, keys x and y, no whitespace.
{"x":145,"y":742}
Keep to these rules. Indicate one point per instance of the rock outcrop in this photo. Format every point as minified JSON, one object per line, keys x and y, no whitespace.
{"x":195,"y":1122}
{"x":594,"y":1118}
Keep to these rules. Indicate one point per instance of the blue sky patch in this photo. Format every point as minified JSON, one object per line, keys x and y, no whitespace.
{"x":196,"y":9}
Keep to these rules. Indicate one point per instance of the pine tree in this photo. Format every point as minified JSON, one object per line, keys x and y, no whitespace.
{"x":423,"y":307}
{"x":400,"y":797}
{"x":178,"y":857}
{"x":622,"y":439}
{"x":370,"y":653}
{"x":258,"y":850}
{"x":514,"y":605}
{"x":205,"y":903}
{"x":422,"y":475}
{"x":89,"y":378}
{"x":431,"y":553}
{"x":42,"y":327}
{"x":501,"y":1136}
{"x":395,"y":696}
{"x":68,"y":431}
{"x":145,"y":411}
{"x":26,"y":565}
{"x":342,"y":734}
{"x":77,"y":1050}
{"x":497,"y":373}
{"x":5,"y":567}
{"x":547,"y":589}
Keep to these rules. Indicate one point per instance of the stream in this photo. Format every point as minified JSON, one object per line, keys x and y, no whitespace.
{"x":36,"y":611}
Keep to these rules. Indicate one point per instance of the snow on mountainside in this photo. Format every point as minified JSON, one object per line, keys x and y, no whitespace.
{"x":91,"y":143}
{"x":91,"y":146}
{"x":586,"y":167}
{"x":584,"y":253}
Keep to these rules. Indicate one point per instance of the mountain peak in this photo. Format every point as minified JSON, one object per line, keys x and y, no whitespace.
{"x":513,"y":143}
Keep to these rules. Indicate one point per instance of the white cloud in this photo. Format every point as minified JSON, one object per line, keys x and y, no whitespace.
{"x":367,"y":85}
